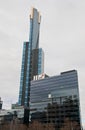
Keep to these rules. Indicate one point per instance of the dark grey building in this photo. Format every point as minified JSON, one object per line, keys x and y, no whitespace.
{"x":56,"y":98}
{"x":1,"y":103}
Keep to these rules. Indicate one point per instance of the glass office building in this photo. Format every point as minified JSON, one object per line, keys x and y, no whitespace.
{"x":56,"y":98}
{"x":32,"y":59}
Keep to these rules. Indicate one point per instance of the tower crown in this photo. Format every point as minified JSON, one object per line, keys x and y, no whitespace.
{"x":32,"y":14}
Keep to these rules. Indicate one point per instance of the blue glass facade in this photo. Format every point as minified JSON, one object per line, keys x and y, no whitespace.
{"x":55,"y":98}
{"x":34,"y":29}
{"x":30,"y":60}
{"x":25,"y":71}
{"x":40,"y":61}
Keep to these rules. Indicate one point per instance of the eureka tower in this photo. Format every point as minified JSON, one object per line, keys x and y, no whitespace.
{"x":32,"y":59}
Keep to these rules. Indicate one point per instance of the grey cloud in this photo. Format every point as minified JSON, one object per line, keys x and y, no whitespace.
{"x":61,"y":37}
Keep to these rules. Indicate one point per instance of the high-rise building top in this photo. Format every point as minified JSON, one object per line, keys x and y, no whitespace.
{"x":32,"y":15}
{"x":34,"y":29}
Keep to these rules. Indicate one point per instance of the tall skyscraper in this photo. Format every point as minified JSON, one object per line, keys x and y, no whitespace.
{"x":32,"y":59}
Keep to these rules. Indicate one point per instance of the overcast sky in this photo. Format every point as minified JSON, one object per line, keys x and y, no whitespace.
{"x":62,"y":37}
